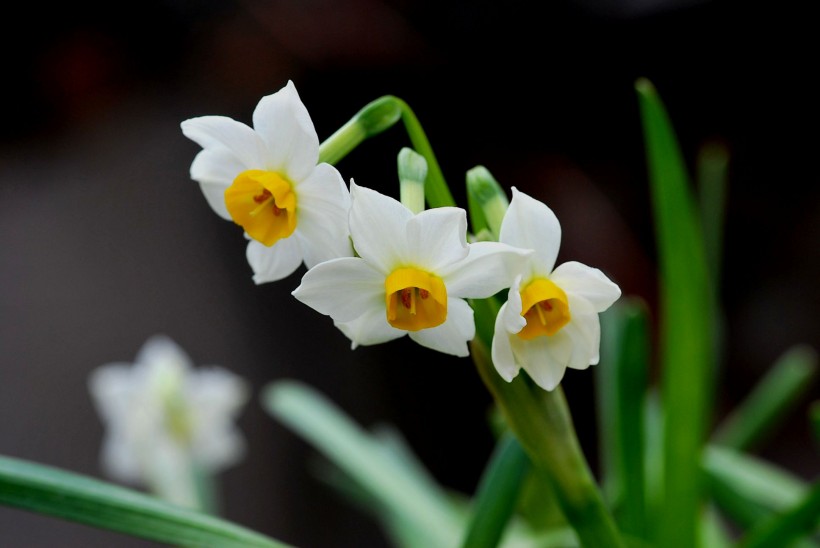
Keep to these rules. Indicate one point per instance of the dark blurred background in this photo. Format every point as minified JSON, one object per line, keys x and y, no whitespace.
{"x":106,"y":240}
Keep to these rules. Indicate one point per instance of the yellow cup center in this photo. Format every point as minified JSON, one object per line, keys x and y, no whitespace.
{"x":544,"y":305}
{"x":415,"y":299}
{"x":264,"y":204}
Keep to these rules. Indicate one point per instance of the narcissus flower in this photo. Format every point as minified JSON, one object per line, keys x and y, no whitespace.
{"x":550,"y":320}
{"x":267,"y":180}
{"x":411,"y":277}
{"x":164,"y":419}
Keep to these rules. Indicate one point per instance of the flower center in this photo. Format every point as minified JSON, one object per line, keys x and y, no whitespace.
{"x":544,"y":305}
{"x":264,"y":204}
{"x":415,"y":299}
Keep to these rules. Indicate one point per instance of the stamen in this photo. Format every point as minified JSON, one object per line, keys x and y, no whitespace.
{"x":415,"y":299}
{"x":265,"y":201}
{"x":541,"y":315}
{"x":405,"y":296}
{"x":260,"y":198}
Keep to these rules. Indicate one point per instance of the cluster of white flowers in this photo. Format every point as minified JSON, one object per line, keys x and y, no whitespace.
{"x":379,"y":270}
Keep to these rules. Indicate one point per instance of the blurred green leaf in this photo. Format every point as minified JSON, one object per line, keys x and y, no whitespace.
{"x":54,"y":492}
{"x":622,"y":384}
{"x":749,"y":489}
{"x":497,"y":494}
{"x":814,"y":417}
{"x":801,"y":519}
{"x":771,"y":400}
{"x":713,"y":170}
{"x":713,"y":534}
{"x":418,"y":506}
{"x":631,"y":387}
{"x":686,"y":328}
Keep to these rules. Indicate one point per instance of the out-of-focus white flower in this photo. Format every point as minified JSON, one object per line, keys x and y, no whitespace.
{"x":412,"y":275}
{"x":267,"y":180}
{"x":166,"y":420}
{"x":550,"y":320}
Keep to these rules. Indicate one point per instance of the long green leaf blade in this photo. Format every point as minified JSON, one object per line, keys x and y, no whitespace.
{"x":408,"y":497}
{"x":713,"y":168}
{"x":632,"y":370}
{"x":803,"y":518}
{"x":497,"y":495}
{"x":748,"y":489}
{"x":686,"y":336}
{"x":770,"y":401}
{"x":54,"y":492}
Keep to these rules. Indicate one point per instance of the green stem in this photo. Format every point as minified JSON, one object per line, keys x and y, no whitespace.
{"x":376,"y":117}
{"x":541,"y":421}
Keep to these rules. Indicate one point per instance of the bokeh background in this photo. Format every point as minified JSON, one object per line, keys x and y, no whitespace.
{"x":105,"y":240}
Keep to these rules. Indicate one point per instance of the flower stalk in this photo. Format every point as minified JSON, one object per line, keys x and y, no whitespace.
{"x":376,"y":117}
{"x":542,"y":423}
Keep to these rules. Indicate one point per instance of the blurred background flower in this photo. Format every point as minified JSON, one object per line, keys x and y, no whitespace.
{"x":105,"y":240}
{"x":169,"y":427}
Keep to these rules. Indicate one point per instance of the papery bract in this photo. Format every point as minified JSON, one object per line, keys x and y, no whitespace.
{"x":550,"y":320}
{"x":267,"y":180}
{"x":411,"y":277}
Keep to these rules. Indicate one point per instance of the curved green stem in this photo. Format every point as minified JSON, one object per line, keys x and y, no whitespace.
{"x":542,"y":423}
{"x":376,"y":117}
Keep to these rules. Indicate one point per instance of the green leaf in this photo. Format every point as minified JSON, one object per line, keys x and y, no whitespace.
{"x":622,"y":384}
{"x":632,"y":373}
{"x":54,"y":492}
{"x":686,"y":328}
{"x":770,"y":401}
{"x":497,"y":495}
{"x":801,"y":519}
{"x":749,"y":489}
{"x":713,"y":170}
{"x":418,"y":505}
{"x":814,"y":418}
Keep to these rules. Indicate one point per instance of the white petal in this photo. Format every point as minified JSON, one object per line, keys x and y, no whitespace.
{"x":587,"y":282}
{"x":437,"y":238}
{"x":503,"y":357}
{"x":489,"y":268}
{"x":343,"y":289}
{"x":120,"y":461}
{"x":223,"y":132}
{"x":452,"y":336}
{"x":585,"y":330}
{"x":215,"y":396}
{"x":544,"y":358}
{"x":285,"y":125}
{"x":530,"y":224}
{"x":510,"y":312}
{"x":323,"y":207}
{"x":276,"y":262}
{"x":163,"y":351}
{"x":377,"y":225}
{"x":215,"y":169}
{"x":111,"y":387}
{"x":370,"y":328}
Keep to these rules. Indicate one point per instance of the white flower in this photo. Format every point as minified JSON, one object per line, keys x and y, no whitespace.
{"x":267,"y":180}
{"x":165,"y":419}
{"x":412,"y":275}
{"x":550,"y":320}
